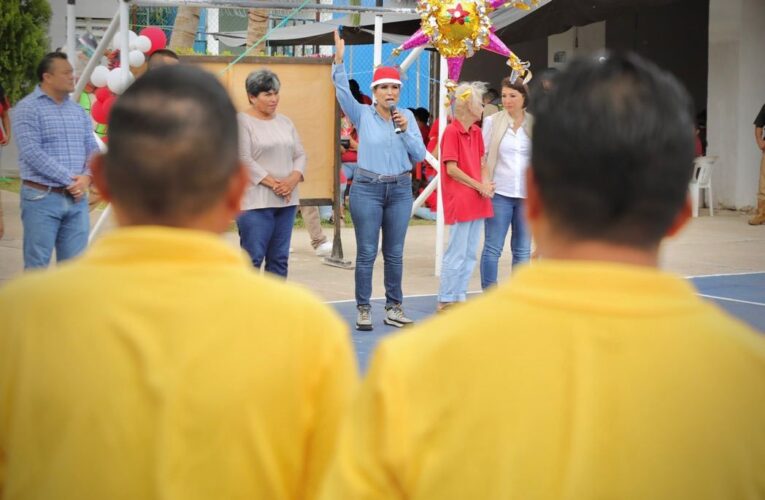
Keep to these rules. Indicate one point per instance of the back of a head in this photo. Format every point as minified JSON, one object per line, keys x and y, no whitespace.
{"x":172,"y":145}
{"x":612,"y":151}
{"x":162,"y":57}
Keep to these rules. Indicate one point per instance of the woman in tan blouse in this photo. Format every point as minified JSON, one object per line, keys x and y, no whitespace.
{"x":270,"y":148}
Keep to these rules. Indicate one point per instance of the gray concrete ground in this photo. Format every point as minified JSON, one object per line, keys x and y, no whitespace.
{"x":721,"y":244}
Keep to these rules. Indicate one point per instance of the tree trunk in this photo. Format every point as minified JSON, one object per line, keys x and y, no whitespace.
{"x":185,"y":28}
{"x":257,"y":27}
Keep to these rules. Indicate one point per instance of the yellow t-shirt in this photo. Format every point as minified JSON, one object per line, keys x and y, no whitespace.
{"x":574,"y":381}
{"x":160,"y":365}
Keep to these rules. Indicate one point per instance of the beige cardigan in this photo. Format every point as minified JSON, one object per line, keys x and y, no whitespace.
{"x":499,"y":124}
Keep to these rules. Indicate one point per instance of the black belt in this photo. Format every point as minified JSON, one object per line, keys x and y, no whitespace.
{"x":43,"y":187}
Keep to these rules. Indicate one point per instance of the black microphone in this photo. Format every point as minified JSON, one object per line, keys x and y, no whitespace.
{"x":396,"y":128}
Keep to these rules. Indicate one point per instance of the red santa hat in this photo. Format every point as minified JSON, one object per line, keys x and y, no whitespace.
{"x":385,"y":74}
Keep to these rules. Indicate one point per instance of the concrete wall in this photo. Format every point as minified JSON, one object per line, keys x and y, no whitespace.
{"x":736,"y":93}
{"x":97,"y":9}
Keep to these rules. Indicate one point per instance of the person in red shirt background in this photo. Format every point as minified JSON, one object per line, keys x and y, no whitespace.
{"x":467,"y":192}
{"x":425,"y":173}
{"x":357,"y":93}
{"x":5,"y":137}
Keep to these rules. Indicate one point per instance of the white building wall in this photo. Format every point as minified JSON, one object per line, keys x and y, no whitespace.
{"x":736,"y":93}
{"x":96,"y":10}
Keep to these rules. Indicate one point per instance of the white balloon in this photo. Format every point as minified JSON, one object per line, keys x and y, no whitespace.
{"x":119,"y":80}
{"x":143,"y":43}
{"x":100,"y":76}
{"x":132,"y":39}
{"x":136,"y":58}
{"x":117,"y":40}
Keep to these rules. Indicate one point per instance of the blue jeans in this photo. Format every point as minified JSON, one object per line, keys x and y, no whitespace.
{"x":507,"y":212}
{"x":424,"y":212}
{"x":265,"y":233}
{"x":459,"y":260}
{"x":52,"y":220}
{"x":380,"y":203}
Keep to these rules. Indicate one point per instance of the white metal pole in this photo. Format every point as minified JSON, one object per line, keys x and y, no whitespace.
{"x":213,"y":26}
{"x":124,"y":38}
{"x":412,"y":57}
{"x":71,"y":44}
{"x":107,"y":211}
{"x":96,"y":57}
{"x":417,"y":75}
{"x":378,"y":40}
{"x":442,"y":119}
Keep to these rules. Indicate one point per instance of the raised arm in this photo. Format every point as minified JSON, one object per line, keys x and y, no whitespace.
{"x":350,"y":105}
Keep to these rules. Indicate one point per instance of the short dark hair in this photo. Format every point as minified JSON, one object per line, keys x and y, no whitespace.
{"x":47,"y":61}
{"x":262,"y":80}
{"x":518,"y":86}
{"x":422,"y":114}
{"x":173,"y":144}
{"x":612,"y":150}
{"x":163,"y":53}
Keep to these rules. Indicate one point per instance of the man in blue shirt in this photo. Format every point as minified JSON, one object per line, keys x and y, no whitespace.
{"x":55,"y":140}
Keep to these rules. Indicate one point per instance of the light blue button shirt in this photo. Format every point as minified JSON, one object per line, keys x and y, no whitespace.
{"x":381,"y":150}
{"x":55,"y":140}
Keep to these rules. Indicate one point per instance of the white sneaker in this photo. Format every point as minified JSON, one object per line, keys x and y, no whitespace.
{"x":324,"y":250}
{"x":394,"y":316}
{"x":364,"y":318}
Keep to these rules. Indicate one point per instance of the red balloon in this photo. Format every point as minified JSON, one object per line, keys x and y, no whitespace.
{"x":102,"y":109}
{"x":103,"y":93}
{"x":157,"y":37}
{"x":98,"y":112}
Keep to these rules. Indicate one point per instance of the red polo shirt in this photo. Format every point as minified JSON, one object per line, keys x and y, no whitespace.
{"x":463,"y":203}
{"x":4,"y":107}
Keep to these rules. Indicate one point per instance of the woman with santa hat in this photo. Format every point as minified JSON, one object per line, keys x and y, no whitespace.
{"x":381,"y":194}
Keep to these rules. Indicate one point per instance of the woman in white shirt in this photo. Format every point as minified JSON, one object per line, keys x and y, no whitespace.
{"x":270,"y":148}
{"x":507,"y":136}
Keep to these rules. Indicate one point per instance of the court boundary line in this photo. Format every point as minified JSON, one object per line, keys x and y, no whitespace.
{"x":420,"y":295}
{"x":723,"y":274}
{"x":731,"y":300}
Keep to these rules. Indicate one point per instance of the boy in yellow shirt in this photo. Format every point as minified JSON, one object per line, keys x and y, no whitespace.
{"x":592,"y":374}
{"x":159,"y":365}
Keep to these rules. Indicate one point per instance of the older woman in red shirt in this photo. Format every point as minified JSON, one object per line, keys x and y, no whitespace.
{"x":466,"y":192}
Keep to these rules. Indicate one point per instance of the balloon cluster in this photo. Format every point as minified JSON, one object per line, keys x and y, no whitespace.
{"x":460,"y":28}
{"x":109,"y":83}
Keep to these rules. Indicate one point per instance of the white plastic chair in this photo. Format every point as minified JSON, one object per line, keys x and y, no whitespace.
{"x":702,"y":179}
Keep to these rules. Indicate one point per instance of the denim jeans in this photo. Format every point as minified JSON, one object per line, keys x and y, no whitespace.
{"x":424,"y":212}
{"x":459,"y":260}
{"x":508,"y":212}
{"x":52,"y":220}
{"x":265,"y":233}
{"x":380,"y":203}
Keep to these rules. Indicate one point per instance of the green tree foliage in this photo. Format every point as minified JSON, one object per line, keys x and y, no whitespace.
{"x":23,"y":42}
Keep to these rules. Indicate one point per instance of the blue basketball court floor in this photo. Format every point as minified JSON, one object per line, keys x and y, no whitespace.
{"x":742,"y":295}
